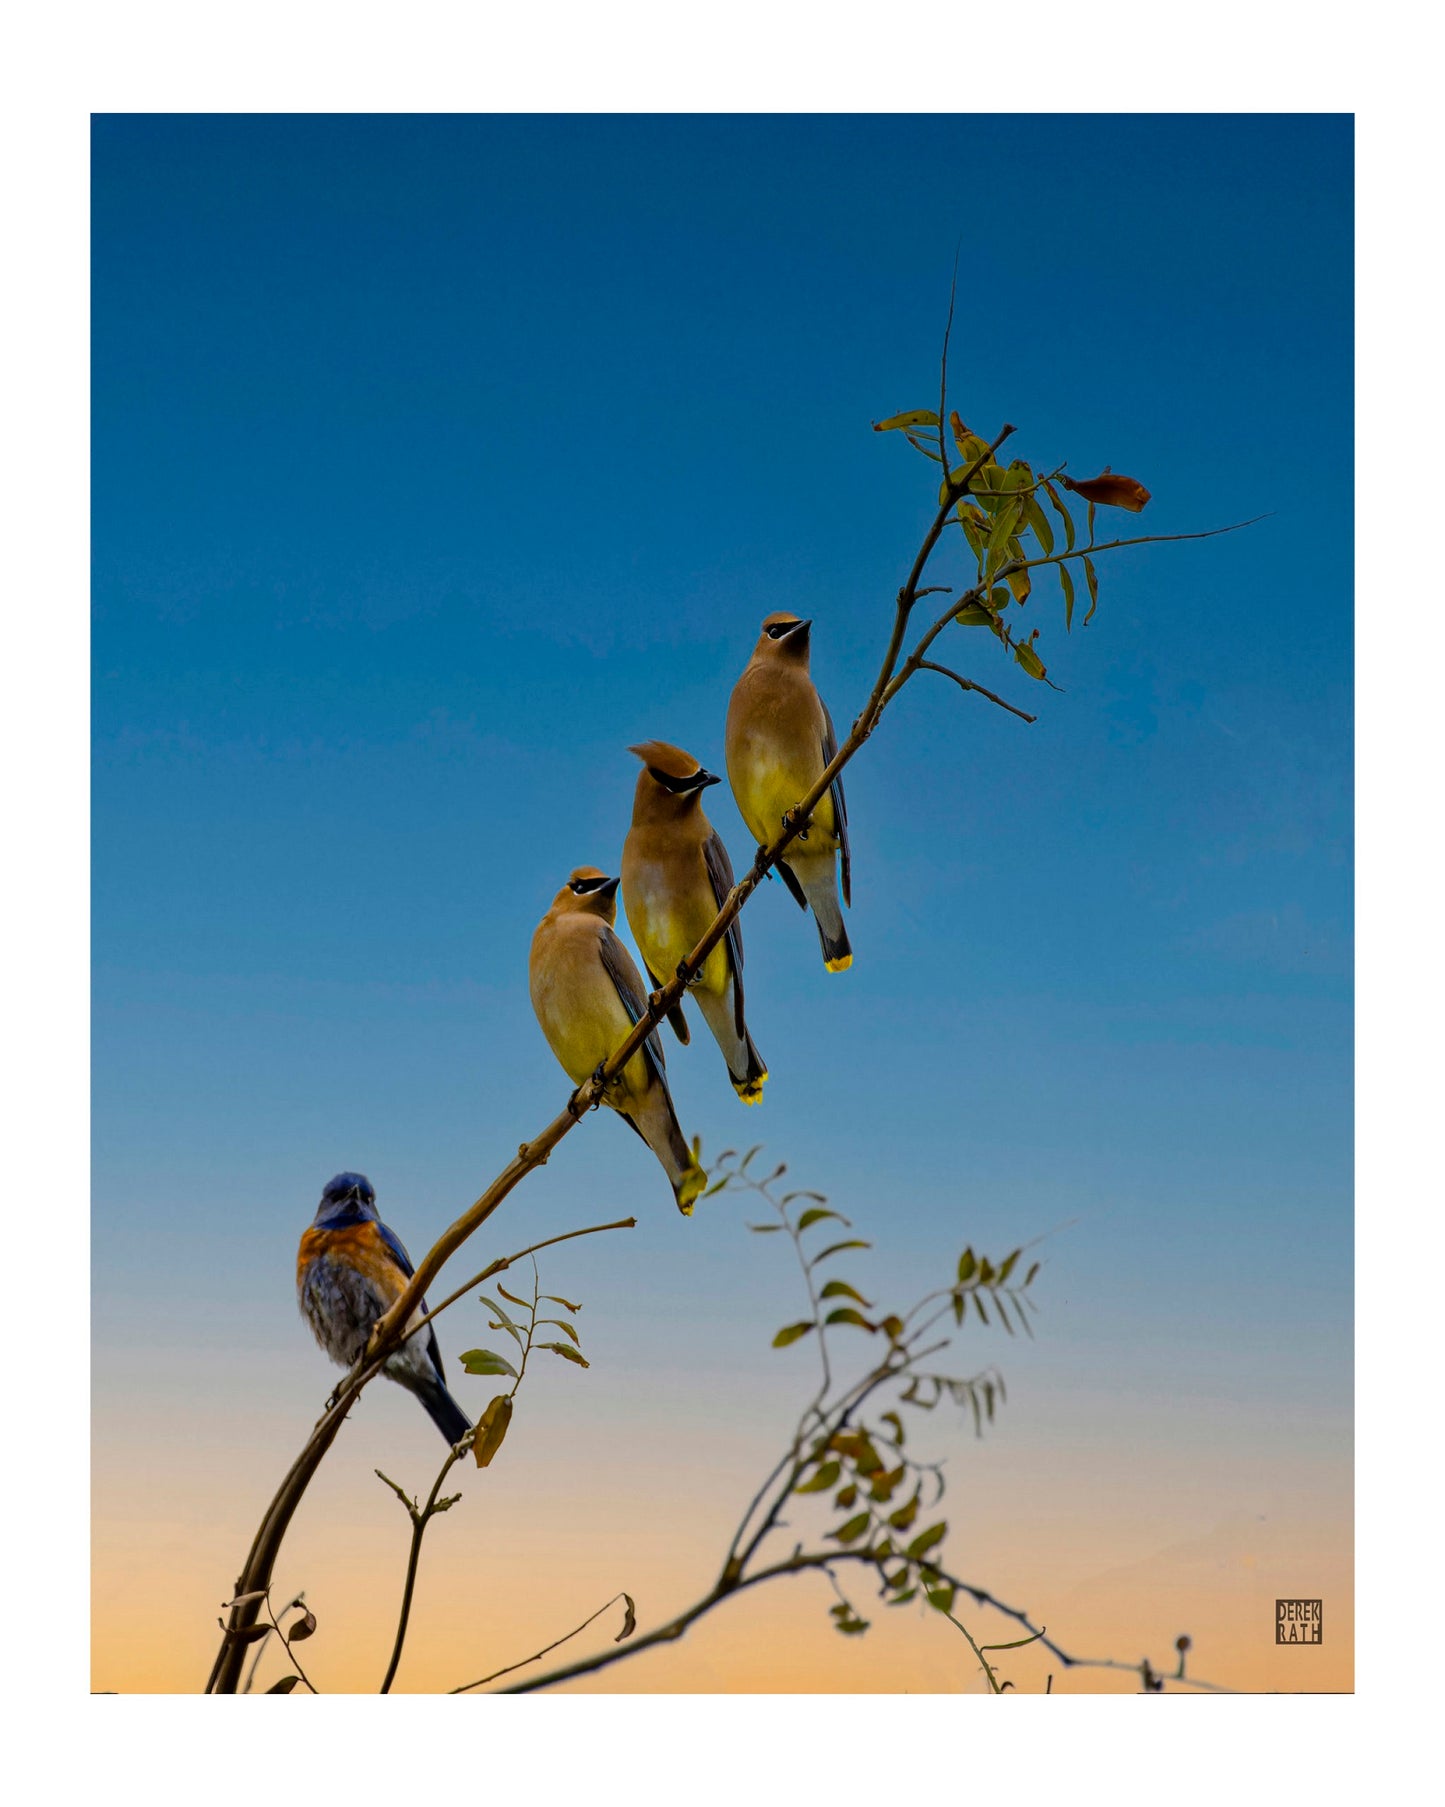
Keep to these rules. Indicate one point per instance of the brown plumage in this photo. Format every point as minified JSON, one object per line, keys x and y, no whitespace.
{"x":675,"y":875}
{"x":779,"y":738}
{"x":587,"y":995}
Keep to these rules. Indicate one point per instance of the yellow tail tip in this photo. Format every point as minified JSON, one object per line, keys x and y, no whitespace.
{"x":840,"y":965}
{"x":751,"y":1090}
{"x":689,"y":1186}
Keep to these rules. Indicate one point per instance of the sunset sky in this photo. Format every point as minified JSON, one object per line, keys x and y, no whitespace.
{"x":436,"y":460}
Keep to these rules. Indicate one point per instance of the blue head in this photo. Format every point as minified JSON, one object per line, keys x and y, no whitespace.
{"x":347,"y":1199}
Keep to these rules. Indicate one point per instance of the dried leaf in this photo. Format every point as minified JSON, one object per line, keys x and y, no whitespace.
{"x":304,"y":1627}
{"x":567,"y":1353}
{"x":629,"y":1623}
{"x":491,"y":1429}
{"x":285,"y":1685}
{"x":1110,"y":491}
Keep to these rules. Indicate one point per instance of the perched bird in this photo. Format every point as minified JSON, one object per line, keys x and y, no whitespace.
{"x":350,"y":1269}
{"x":675,"y":875}
{"x":779,"y":738}
{"x":587,"y":995}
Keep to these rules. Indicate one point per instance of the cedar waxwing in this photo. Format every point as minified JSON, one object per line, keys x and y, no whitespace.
{"x":675,"y":875}
{"x":587,"y":995}
{"x":779,"y":738}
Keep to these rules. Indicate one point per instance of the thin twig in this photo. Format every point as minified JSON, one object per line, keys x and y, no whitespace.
{"x":968,"y":684}
{"x":419,"y":1522}
{"x":467,"y":1687}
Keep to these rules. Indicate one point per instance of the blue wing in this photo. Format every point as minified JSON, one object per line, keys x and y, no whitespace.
{"x":398,"y":1250}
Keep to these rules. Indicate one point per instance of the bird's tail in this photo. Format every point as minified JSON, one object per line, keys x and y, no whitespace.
{"x":654,"y":1118}
{"x":446,"y":1414}
{"x":745,"y":1065}
{"x":818,"y":876}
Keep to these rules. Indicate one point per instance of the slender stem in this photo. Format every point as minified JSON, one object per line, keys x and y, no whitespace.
{"x":973,"y":1646}
{"x":968,"y":684}
{"x":291,"y":1656}
{"x":496,"y":1674}
{"x":501,"y":1265}
{"x":419,"y":1522}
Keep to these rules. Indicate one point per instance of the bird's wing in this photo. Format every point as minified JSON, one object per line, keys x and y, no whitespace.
{"x":720,"y":872}
{"x":840,"y":807}
{"x":398,"y":1250}
{"x":623,"y":974}
{"x":674,"y":1016}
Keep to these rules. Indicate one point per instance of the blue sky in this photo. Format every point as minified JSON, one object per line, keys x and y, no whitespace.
{"x":435,"y":460}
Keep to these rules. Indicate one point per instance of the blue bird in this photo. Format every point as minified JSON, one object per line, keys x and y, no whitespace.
{"x":350,"y":1270}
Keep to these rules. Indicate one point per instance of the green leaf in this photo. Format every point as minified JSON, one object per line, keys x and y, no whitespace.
{"x":1029,"y":659}
{"x":566,"y":1304}
{"x":1020,"y":583}
{"x":837,"y":1248}
{"x":974,"y":615}
{"x":1093,"y":583}
{"x":562,"y":1325}
{"x":925,"y":1540}
{"x":897,"y":1423}
{"x":846,"y":1496}
{"x":491,"y":1429}
{"x":967,"y":1265}
{"x":505,"y":1322}
{"x":1029,"y":1276}
{"x":1067,"y":584}
{"x":851,"y":1530}
{"x":941,"y":1598}
{"x":764,"y":1229}
{"x":526,"y":1304}
{"x":907,"y":1594}
{"x":1063,"y":515}
{"x":847,"y":1314}
{"x":1001,"y":533}
{"x":978,"y":1306}
{"x":285,"y":1685}
{"x":840,"y":1289}
{"x":1009,"y":1263}
{"x":790,"y":1334}
{"x":1039,"y":522}
{"x":487,"y":1361}
{"x":885,"y":1485}
{"x":817,"y":1214}
{"x":915,"y":417}
{"x":903,"y":1518}
{"x":972,"y":524}
{"x":822,"y":1480}
{"x":568,"y":1353}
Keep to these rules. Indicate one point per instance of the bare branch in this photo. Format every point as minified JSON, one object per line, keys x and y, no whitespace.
{"x":968,"y":684}
{"x":496,"y":1674}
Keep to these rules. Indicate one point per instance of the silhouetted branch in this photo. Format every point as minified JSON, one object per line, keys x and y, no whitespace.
{"x":628,"y":1626}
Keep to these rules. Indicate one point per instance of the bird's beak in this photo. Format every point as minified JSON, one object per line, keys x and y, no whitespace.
{"x":704,"y":779}
{"x":608,"y":888}
{"x":799,"y":628}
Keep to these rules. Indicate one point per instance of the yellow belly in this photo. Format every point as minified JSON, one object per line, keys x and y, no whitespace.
{"x":667,"y":930}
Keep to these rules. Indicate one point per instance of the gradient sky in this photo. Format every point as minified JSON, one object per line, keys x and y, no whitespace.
{"x":436,"y":460}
